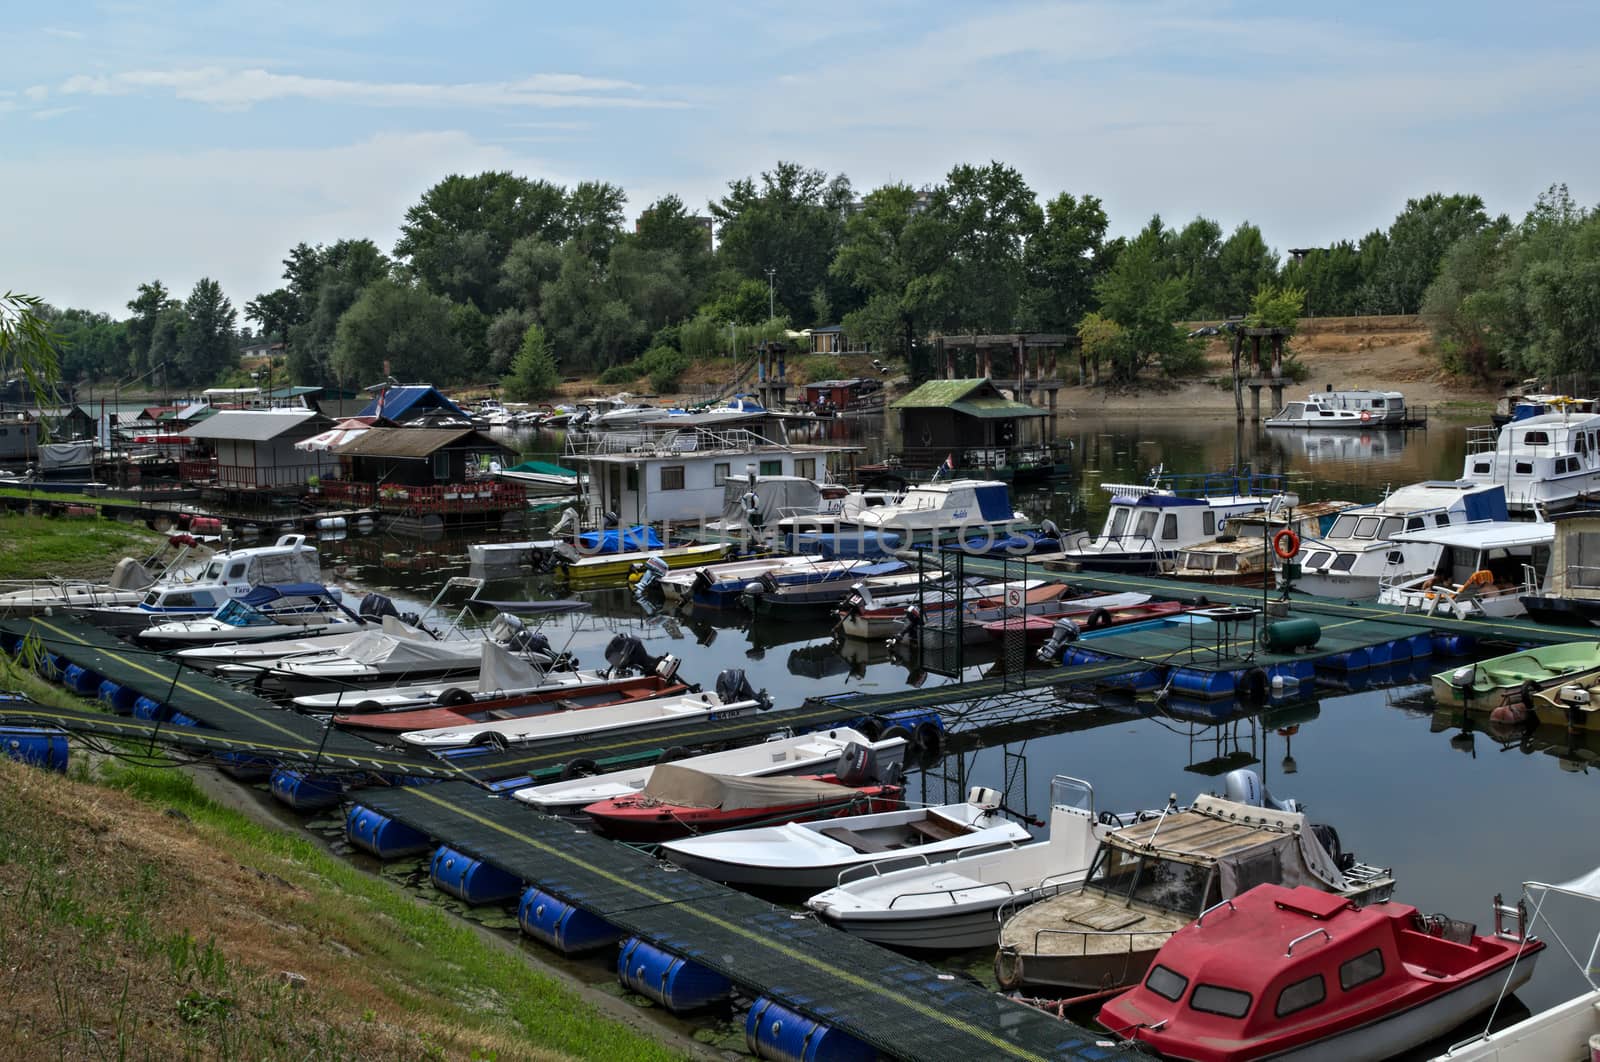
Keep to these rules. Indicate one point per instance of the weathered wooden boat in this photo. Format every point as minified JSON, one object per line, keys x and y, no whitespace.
{"x":1254,"y":977}
{"x":1243,"y":554}
{"x":1516,"y":677}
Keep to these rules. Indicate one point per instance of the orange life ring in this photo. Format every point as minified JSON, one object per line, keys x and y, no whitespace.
{"x":1285,"y":544}
{"x":1365,"y":416}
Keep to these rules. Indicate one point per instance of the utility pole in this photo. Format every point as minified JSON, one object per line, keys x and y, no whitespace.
{"x":771,"y":310}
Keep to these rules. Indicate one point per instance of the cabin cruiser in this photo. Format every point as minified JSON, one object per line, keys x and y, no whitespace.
{"x":266,"y":613}
{"x":1521,"y":406}
{"x":201,"y":601}
{"x":1350,"y":559}
{"x":1147,"y":525}
{"x":1242,"y":555}
{"x":1545,"y":463}
{"x":621,"y":413}
{"x":1479,"y":569}
{"x":1343,"y":409}
{"x":1152,"y":878}
{"x":926,"y":513}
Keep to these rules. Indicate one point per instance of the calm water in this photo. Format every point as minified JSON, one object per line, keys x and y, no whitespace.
{"x":1458,"y":817}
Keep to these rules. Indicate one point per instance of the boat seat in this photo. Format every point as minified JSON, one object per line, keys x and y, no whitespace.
{"x":938,"y":828}
{"x":860,"y":842}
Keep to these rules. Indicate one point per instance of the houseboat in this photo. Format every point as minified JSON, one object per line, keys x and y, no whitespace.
{"x":1521,"y":406}
{"x":1351,"y":558}
{"x":1545,"y":463}
{"x":1570,"y":596}
{"x":1347,"y":410}
{"x":1147,"y":526}
{"x":1482,"y":569}
{"x":1243,"y":554}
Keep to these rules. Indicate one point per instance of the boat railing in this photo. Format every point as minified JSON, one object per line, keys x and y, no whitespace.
{"x":1238,"y":482}
{"x":668,"y":442}
{"x":1051,"y":884}
{"x":1482,"y":438}
{"x":1201,"y":921}
{"x":909,"y":860}
{"x":970,"y":886}
{"x":1084,"y":935}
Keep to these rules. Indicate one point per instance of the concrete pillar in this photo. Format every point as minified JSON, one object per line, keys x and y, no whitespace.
{"x":1255,"y":401}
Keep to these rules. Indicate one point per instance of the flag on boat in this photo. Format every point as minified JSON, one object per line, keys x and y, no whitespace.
{"x":947,"y":467}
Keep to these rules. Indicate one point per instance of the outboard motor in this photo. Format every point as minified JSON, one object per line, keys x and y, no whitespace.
{"x":1062,"y":633}
{"x":733,"y":686}
{"x":531,"y":643}
{"x":1328,"y":837}
{"x":859,"y":765}
{"x":654,"y":569}
{"x":374,"y":607}
{"x":980,"y":796}
{"x":1244,"y":786}
{"x":612,"y":519}
{"x":666,"y":668}
{"x":627,"y":653}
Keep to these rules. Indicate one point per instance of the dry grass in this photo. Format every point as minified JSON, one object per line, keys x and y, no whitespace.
{"x":40,"y":547}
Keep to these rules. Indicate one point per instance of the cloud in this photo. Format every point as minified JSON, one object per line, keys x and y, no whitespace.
{"x":235,"y":89}
{"x":47,"y":113}
{"x":63,"y":33}
{"x":36,"y":92}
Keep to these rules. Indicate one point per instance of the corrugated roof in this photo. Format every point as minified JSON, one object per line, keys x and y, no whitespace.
{"x":416,"y":443}
{"x":255,"y":425}
{"x":936,"y":394}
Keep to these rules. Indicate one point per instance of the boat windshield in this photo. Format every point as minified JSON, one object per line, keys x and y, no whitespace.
{"x":1392,"y":526}
{"x":213,"y":572}
{"x":1146,"y":526}
{"x":1149,"y":879}
{"x":1119,"y":522}
{"x":238,"y":614}
{"x":1200,"y":562}
{"x":1344,"y":527}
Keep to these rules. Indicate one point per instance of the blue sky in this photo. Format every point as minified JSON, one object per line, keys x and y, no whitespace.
{"x":161,"y":139}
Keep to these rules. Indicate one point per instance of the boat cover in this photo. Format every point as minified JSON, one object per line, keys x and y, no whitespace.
{"x":994,"y":501}
{"x":543,"y":468}
{"x":671,"y":783}
{"x":266,"y":594}
{"x":380,"y":647}
{"x":776,"y":497}
{"x":501,"y":670}
{"x":620,"y":540}
{"x":56,"y":456}
{"x":1585,"y":885}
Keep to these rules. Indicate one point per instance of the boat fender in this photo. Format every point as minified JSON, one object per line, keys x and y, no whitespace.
{"x":897,"y":732}
{"x":1227,"y":538}
{"x":1511,"y":713}
{"x":870,"y":728}
{"x":928,"y":741}
{"x":1098,"y":618}
{"x":673,"y":754}
{"x":1253,"y":686}
{"x":367,"y":706}
{"x":454,"y":697}
{"x":581,"y":767}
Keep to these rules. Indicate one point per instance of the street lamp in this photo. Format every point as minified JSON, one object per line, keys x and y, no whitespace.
{"x":771,"y":310}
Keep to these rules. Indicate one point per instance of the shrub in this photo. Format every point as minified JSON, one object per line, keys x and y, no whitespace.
{"x":533,"y":371}
{"x":663,"y":365}
{"x":625,"y":373}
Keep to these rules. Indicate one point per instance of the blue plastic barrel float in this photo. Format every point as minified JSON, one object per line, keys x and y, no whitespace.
{"x":38,"y":746}
{"x":471,"y":880}
{"x":149,"y":709}
{"x":773,"y":1031}
{"x":119,"y":697}
{"x":244,"y":766}
{"x":1453,"y":644}
{"x":561,"y":925}
{"x":81,"y":680}
{"x":305,"y":792}
{"x":673,"y":981}
{"x":374,"y":832}
{"x":1421,"y":644}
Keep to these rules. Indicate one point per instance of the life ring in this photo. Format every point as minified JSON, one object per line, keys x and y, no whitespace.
{"x":1365,"y":416}
{"x":1285,"y":544}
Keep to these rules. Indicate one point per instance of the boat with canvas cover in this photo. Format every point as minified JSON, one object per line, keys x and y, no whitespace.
{"x":1152,"y":878}
{"x":733,"y":699}
{"x":1515,"y":677}
{"x":130,"y":581}
{"x":560,"y":695}
{"x":910,"y":904}
{"x":542,"y":479}
{"x":678,"y":801}
{"x":265,"y":614}
{"x":809,"y":856}
{"x":1298,"y":973}
{"x":801,"y":754}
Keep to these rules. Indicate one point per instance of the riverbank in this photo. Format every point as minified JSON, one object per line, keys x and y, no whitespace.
{"x":86,"y":547}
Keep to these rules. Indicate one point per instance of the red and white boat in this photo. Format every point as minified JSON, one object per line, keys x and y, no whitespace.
{"x":678,"y":801}
{"x":1036,"y":628}
{"x":515,"y":706}
{"x":1303,"y":974}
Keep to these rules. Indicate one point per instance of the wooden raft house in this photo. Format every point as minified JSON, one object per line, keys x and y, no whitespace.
{"x":978,"y":428}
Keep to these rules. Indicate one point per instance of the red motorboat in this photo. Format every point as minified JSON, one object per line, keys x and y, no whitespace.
{"x":1303,"y":974}
{"x":680,"y":801}
{"x":519,"y":706}
{"x":1038,"y":627}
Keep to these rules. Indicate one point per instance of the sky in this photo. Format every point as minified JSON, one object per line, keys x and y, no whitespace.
{"x":144,"y":139}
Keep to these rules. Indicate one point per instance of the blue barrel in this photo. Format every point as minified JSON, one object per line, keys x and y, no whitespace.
{"x":119,"y":697}
{"x":470,"y":879}
{"x":1421,"y":645}
{"x":179,"y":719}
{"x":561,"y":925}
{"x":243,"y":766}
{"x":674,"y":982}
{"x":775,"y":1032}
{"x":38,"y":746}
{"x":385,"y":838}
{"x":50,"y":666}
{"x":80,"y":679}
{"x":305,"y":792}
{"x":1380,"y":655}
{"x":148,"y":708}
{"x":1453,"y":644}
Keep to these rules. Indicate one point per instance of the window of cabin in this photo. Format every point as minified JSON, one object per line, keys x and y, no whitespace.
{"x":719,"y":473}
{"x":1481,"y":468}
{"x":1583,"y":559}
{"x":236,"y":571}
{"x":771,"y":468}
{"x":1169,"y":526}
{"x":1391,"y":526}
{"x":1358,"y":971}
{"x":1119,"y":521}
{"x":1167,"y":984}
{"x":1377,"y":403}
{"x":1441,"y":519}
{"x":805,"y":467}
{"x":1414,"y":523}
{"x":671,"y":477}
{"x":441,"y":465}
{"x":180,"y":599}
{"x":1318,"y":559}
{"x":1227,"y":562}
{"x":1366,"y":527}
{"x":1536,"y":438}
{"x":1214,"y":999}
{"x":1146,"y":525}
{"x":1210,"y":522}
{"x":1578,"y":444}
{"x":1300,"y":995}
{"x":1524,"y":468}
{"x":1343,"y":562}
{"x":1344,"y":527}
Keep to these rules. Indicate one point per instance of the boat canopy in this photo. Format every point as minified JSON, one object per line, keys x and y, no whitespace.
{"x":1485,"y":534}
{"x":265,"y":594}
{"x":673,"y":784}
{"x":500,"y":669}
{"x":1586,"y":886}
{"x":544,"y":468}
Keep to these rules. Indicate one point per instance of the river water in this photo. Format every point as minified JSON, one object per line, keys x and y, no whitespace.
{"x":1459,"y":817}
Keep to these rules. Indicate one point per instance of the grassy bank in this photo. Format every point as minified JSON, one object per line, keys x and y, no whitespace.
{"x":42,"y":547}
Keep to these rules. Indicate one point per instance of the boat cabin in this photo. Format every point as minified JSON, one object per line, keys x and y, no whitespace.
{"x":289,"y":560}
{"x":1479,"y":568}
{"x":1281,"y":968}
{"x":1147,"y":525}
{"x":1545,"y":463}
{"x":1571,"y":590}
{"x":1242,"y":554}
{"x":1343,"y":409}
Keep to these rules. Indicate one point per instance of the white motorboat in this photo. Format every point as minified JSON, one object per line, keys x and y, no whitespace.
{"x":130,"y":581}
{"x":1147,"y":525}
{"x":733,"y":699}
{"x":937,"y":510}
{"x":265,"y":614}
{"x":1348,"y":410}
{"x":811,"y":855}
{"x":801,"y":754}
{"x":879,"y":613}
{"x":1350,"y":559}
{"x":681,"y":584}
{"x":1482,"y":569}
{"x":1545,"y":463}
{"x":952,"y":905}
{"x":542,"y":479}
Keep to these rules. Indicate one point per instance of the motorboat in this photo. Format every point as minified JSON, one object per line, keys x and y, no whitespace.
{"x":733,"y":699}
{"x":1253,"y":978}
{"x":265,"y":614}
{"x":920,"y":608}
{"x":1545,"y":463}
{"x":778,"y":596}
{"x":613,"y":567}
{"x":130,"y":581}
{"x":545,"y":554}
{"x":1567,"y":1030}
{"x":244,"y":660}
{"x":1482,"y":569}
{"x":679,"y":801}
{"x":719,"y":585}
{"x":1147,"y":525}
{"x":800,"y":754}
{"x":542,"y":479}
{"x":621,"y":413}
{"x":1085,"y":615}
{"x":809,"y":856}
{"x":1350,"y":559}
{"x":942,"y":626}
{"x":1515,"y":677}
{"x":1344,"y":410}
{"x":1243,"y":554}
{"x":1152,"y":878}
{"x":927,"y":513}
{"x":182,"y":611}
{"x":1570,"y":594}
{"x":951,"y":905}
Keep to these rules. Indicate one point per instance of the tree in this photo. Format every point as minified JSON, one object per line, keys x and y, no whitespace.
{"x":1465,"y":305}
{"x":982,"y":216}
{"x":323,"y":282}
{"x":1275,"y":307}
{"x":399,"y":323}
{"x":207,"y":346}
{"x":455,"y":240}
{"x":1331,"y":278}
{"x":91,"y":345}
{"x":504,"y":337}
{"x":1195,"y":253}
{"x":534,"y":374}
{"x":1141,"y":295}
{"x":147,"y":306}
{"x":666,"y":225}
{"x":594,"y":217}
{"x":1062,"y":263}
{"x":27,"y":344}
{"x":1245,"y":265}
{"x":879,"y":257}
{"x":1102,"y":340}
{"x":533,"y":262}
{"x":273,"y":312}
{"x":587,"y":321}
{"x":1416,"y":243}
{"x":746,"y":304}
